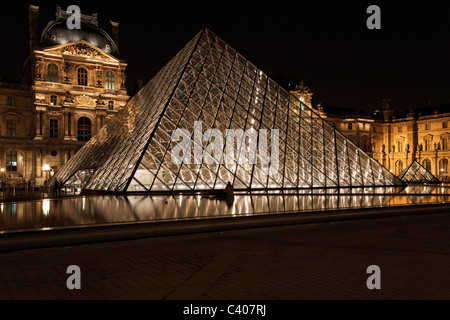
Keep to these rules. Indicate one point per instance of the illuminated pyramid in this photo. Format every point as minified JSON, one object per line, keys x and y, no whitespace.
{"x":208,"y":85}
{"x":416,"y":173}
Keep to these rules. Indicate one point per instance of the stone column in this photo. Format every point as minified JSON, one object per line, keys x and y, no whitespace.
{"x":38,"y":123}
{"x":73,"y":126}
{"x":66,"y":124}
{"x":437,"y":172}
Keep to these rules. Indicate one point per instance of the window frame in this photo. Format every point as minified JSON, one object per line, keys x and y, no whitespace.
{"x":84,"y":129}
{"x":10,"y":156}
{"x":110,"y":81}
{"x":11,"y":101}
{"x":82,"y":76}
{"x":11,"y":128}
{"x":53,"y":100}
{"x":52,"y":73}
{"x":53,"y":131}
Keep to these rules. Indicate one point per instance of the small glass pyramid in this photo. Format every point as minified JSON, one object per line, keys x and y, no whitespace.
{"x":416,"y":173}
{"x":207,"y":88}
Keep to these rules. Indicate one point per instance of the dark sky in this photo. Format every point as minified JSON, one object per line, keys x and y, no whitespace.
{"x":327,"y":45}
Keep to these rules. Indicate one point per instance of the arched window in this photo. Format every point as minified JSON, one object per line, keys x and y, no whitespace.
{"x":52,"y":73}
{"x":427,"y":164}
{"x":82,"y":77}
{"x":443,"y":166}
{"x":109,"y":79}
{"x":398,"y":167}
{"x":84,"y":129}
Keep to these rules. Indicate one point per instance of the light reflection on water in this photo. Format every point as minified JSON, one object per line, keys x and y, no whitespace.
{"x":116,"y":209}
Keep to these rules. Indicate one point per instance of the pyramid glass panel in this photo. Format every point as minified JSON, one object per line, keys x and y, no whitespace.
{"x":210,"y":117}
{"x":416,"y":173}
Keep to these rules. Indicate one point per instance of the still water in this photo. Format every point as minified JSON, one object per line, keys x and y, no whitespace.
{"x":76,"y":211}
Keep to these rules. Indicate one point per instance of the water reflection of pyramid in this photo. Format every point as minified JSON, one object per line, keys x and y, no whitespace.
{"x":416,"y":173}
{"x":208,"y":81}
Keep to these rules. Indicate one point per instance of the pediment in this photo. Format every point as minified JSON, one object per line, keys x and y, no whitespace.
{"x":81,"y":48}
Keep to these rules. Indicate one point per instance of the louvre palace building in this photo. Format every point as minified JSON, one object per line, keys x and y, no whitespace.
{"x":73,"y":82}
{"x":73,"y":85}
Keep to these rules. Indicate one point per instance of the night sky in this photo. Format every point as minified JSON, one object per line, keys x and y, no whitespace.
{"x":327,"y":45}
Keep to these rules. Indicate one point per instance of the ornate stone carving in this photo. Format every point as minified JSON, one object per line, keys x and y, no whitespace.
{"x":83,"y":49}
{"x":66,"y":68}
{"x":100,"y":101}
{"x":303,"y":93}
{"x":99,"y":75}
{"x":62,"y":14}
{"x":68,"y":98}
{"x":84,"y":100}
{"x":39,"y":68}
{"x":123,"y":78}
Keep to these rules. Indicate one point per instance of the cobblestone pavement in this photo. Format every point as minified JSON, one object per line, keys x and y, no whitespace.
{"x":315,"y":261}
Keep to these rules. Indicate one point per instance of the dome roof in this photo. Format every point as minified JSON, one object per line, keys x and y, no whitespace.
{"x":56,"y":33}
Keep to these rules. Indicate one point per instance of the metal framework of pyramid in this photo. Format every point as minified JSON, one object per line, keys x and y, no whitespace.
{"x":416,"y":173}
{"x":209,"y":82}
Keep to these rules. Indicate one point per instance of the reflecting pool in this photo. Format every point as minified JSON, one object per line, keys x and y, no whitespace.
{"x":90,"y":210}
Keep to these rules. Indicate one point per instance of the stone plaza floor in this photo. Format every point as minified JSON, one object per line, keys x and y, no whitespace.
{"x":303,"y":262}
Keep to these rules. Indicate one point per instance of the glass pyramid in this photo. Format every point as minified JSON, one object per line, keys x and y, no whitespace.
{"x":208,"y":85}
{"x":416,"y":173}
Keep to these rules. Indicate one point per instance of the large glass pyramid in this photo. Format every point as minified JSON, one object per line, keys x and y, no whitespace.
{"x":416,"y":173}
{"x":208,"y":85}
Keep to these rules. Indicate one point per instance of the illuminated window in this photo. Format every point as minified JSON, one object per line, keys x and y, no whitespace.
{"x":82,"y":77}
{"x":84,"y":129}
{"x":109,"y":79}
{"x":52,"y":73}
{"x":443,"y":166}
{"x":53,"y":128}
{"x":53,"y":100}
{"x":11,"y":160}
{"x":11,"y":128}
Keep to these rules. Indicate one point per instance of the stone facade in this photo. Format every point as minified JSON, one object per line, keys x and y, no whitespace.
{"x":68,"y":92}
{"x":396,"y":142}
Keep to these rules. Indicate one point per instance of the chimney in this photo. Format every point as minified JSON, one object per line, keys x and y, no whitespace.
{"x":33,"y":16}
{"x":115,"y":31}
